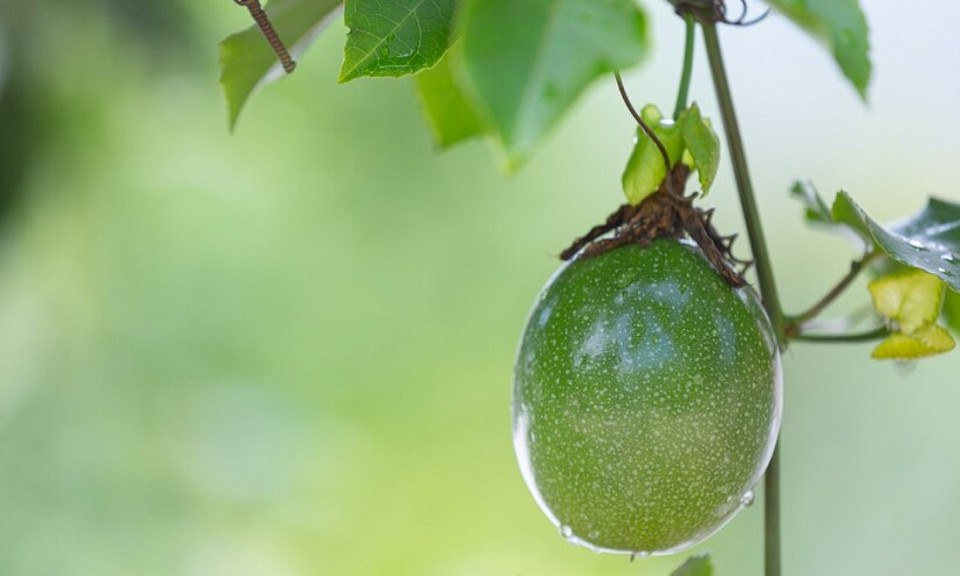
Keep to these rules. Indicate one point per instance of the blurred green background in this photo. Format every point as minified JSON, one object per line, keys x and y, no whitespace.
{"x":288,"y":351}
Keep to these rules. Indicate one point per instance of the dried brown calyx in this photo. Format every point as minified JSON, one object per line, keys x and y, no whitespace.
{"x":665,"y":214}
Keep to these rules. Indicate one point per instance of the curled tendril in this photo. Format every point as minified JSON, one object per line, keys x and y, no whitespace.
{"x":716,"y":11}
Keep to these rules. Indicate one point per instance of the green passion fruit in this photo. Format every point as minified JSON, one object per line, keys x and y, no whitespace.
{"x":647,"y":399}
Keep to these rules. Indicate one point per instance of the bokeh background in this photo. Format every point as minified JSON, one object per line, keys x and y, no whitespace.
{"x":288,"y":350}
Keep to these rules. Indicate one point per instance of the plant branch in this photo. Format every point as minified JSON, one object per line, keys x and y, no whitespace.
{"x":771,"y":514}
{"x":876,"y":334}
{"x":683,"y":94}
{"x":768,"y":287}
{"x":748,"y":203}
{"x":795,"y":324}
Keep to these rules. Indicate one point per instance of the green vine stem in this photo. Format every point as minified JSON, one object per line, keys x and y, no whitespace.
{"x":683,"y":94}
{"x":794,"y":325}
{"x":872,"y":335}
{"x":768,"y":287}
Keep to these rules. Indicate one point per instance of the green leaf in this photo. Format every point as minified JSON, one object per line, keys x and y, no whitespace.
{"x":841,"y":26}
{"x":395,"y":37}
{"x":246,"y":60}
{"x":529,"y":60}
{"x":817,"y":210}
{"x":645,"y":169}
{"x":695,"y":566}
{"x":690,"y":139}
{"x":912,"y":300}
{"x":450,"y":116}
{"x":703,"y":144}
{"x":951,"y":310}
{"x":929,"y":240}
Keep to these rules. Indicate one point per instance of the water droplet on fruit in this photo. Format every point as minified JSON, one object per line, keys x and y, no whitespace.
{"x":747,"y":498}
{"x":566,"y":532}
{"x":640,"y":554}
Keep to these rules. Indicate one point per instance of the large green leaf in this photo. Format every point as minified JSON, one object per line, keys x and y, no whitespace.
{"x":529,"y":60}
{"x":246,"y":60}
{"x":842,"y":27}
{"x":451,"y":117}
{"x":695,"y":566}
{"x":395,"y":37}
{"x":929,"y":240}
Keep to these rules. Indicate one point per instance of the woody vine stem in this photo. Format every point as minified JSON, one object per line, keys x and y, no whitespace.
{"x":767,"y":284}
{"x":768,"y":287}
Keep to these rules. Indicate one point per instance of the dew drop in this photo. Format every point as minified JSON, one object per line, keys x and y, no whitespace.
{"x":918,"y":245}
{"x":594,"y":534}
{"x":639,"y":554}
{"x":566,"y":531}
{"x":948,"y":258}
{"x":747,"y":498}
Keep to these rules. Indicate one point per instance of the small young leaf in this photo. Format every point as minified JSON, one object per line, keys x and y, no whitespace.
{"x":842,"y":27}
{"x":927,"y":341}
{"x":695,"y":566}
{"x":816,"y":209}
{"x":246,"y":60}
{"x":646,"y":170}
{"x":703,"y":144}
{"x":451,"y":117}
{"x":912,"y":299}
{"x":395,"y":37}
{"x":529,"y":60}
{"x":929,"y":241}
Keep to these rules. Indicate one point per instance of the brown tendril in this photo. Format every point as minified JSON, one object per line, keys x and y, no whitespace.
{"x":270,"y":33}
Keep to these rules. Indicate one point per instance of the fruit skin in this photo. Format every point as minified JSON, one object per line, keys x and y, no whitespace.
{"x":647,"y":399}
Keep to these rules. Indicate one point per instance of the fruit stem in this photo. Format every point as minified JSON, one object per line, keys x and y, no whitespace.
{"x":683,"y":94}
{"x":768,"y":286}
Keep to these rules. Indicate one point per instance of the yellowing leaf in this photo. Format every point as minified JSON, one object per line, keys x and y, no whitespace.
{"x":911,"y":298}
{"x":927,"y":341}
